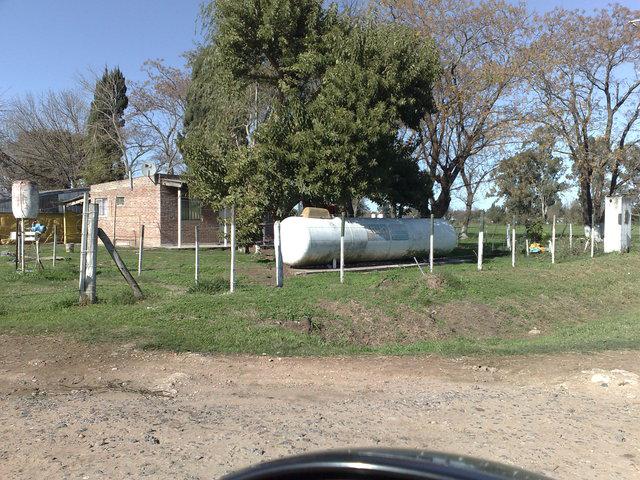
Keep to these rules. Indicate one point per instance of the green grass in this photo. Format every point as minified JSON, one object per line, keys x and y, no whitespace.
{"x":579,"y":304}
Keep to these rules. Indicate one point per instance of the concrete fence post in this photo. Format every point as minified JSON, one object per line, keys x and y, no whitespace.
{"x":570,"y":237}
{"x":593,"y":234}
{"x":431,"y":234}
{"x":83,"y":240}
{"x":553,"y":240}
{"x":55,"y":243}
{"x":232,"y":274}
{"x":88,"y":295}
{"x":140,"y":250}
{"x":342,"y":249}
{"x":480,"y":248}
{"x":278,"y":253}
{"x":513,"y":246}
{"x":197,"y":253}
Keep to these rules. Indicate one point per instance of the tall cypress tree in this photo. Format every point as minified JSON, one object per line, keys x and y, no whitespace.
{"x":104,"y":129}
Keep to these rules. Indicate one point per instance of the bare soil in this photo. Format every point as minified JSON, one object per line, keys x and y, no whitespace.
{"x":72,"y":410}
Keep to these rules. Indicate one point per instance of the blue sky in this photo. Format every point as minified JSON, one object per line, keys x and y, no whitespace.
{"x":48,"y":44}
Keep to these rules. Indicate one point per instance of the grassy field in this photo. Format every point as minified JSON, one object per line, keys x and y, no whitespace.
{"x":578,"y":304}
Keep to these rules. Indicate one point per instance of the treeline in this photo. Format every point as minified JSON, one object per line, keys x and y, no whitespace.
{"x":410,"y":103}
{"x":97,"y":132}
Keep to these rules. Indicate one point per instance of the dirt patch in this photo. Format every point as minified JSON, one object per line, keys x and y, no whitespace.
{"x":435,"y":281}
{"x":353,"y":322}
{"x":73,"y":410}
{"x":475,"y":320}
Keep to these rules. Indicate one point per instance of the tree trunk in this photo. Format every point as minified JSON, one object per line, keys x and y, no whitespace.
{"x":468,"y":210}
{"x":440,"y":206}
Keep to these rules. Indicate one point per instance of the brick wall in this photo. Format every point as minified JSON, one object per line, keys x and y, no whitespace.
{"x":169,"y":233}
{"x":155,"y":206}
{"x":141,"y":206}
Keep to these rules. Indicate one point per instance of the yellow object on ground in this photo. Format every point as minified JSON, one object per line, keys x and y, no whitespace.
{"x":536,"y":248}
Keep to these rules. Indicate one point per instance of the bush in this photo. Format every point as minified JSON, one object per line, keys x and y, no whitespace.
{"x":214,"y":286}
{"x":535,"y":230}
{"x":123,"y":297}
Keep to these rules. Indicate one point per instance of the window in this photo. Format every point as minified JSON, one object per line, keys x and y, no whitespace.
{"x":103,"y":207}
{"x":191,"y":209}
{"x":119,"y":201}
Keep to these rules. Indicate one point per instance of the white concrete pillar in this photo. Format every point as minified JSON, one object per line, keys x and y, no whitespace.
{"x":179,"y":217}
{"x":278,"y":253}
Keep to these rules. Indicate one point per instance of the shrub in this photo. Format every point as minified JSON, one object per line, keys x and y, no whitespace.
{"x":535,"y":230}
{"x":213,"y":286}
{"x":123,"y":297}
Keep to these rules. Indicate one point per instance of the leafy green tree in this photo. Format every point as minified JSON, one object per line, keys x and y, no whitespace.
{"x":531,"y":181}
{"x":496,"y":214}
{"x":104,"y":143}
{"x":293,"y":102}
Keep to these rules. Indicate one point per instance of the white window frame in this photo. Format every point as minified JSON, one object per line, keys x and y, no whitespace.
{"x":103,"y":207}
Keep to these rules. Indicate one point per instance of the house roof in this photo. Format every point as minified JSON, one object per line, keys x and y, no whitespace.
{"x":175,"y":181}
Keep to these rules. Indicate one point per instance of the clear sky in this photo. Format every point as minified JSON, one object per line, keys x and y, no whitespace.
{"x":46,"y":44}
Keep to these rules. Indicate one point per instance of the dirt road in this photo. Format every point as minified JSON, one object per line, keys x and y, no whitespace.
{"x":70,"y":410}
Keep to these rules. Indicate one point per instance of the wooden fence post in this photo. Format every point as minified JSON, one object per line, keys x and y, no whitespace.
{"x":120,"y":264}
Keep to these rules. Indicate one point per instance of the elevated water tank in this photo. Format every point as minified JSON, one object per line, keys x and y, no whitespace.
{"x":25,"y":201}
{"x":316,"y":241}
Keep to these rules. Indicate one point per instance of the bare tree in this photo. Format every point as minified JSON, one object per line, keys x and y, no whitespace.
{"x":474,"y":174}
{"x":482,"y":46}
{"x":157,"y":110}
{"x":42,"y":138}
{"x":584,"y":72}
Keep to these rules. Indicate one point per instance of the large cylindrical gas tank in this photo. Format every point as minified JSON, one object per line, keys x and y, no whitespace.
{"x":316,"y":241}
{"x":25,"y":201}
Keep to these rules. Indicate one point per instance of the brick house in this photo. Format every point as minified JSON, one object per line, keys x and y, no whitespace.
{"x":160,"y":202}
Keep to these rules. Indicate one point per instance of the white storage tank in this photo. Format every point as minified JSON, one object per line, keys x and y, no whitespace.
{"x":316,"y":241}
{"x":25,"y":201}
